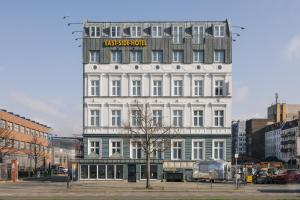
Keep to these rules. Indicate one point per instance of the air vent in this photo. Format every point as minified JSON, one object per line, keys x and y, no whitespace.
{"x":157,"y":67}
{"x":198,"y":67}
{"x":136,"y":67}
{"x":220,"y":67}
{"x":116,"y":67}
{"x":178,"y":67}
{"x":95,"y":67}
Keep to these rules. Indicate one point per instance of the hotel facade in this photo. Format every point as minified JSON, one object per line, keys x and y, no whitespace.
{"x":181,"y":69}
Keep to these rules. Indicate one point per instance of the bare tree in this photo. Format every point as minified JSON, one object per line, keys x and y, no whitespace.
{"x":37,"y":151}
{"x":148,"y":132}
{"x":6,"y":143}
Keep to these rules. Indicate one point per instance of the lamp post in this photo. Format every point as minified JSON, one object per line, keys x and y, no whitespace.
{"x":240,"y":27}
{"x":76,"y":32}
{"x":69,"y":24}
{"x":236,"y":178}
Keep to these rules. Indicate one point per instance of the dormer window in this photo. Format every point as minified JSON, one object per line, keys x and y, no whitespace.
{"x":219,"y":31}
{"x":177,"y":34}
{"x":136,"y":31}
{"x":115,"y":31}
{"x":94,"y":31}
{"x":198,"y":34}
{"x":156,"y":31}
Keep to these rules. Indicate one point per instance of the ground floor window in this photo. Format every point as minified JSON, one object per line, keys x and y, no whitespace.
{"x":101,"y":171}
{"x":153,"y":171}
{"x":84,"y":171}
{"x":93,"y":171}
{"x":110,"y":171}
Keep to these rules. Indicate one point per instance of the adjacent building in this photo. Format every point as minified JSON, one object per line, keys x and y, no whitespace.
{"x":255,"y":137}
{"x":24,"y":139}
{"x":182,"y":69}
{"x":282,"y":112}
{"x":238,"y":137}
{"x":282,"y":140}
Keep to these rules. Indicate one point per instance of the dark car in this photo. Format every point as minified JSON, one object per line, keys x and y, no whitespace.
{"x":262,"y":176}
{"x":287,"y":176}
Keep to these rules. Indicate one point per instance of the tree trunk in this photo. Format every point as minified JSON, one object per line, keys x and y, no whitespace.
{"x":148,"y":171}
{"x":35,"y":164}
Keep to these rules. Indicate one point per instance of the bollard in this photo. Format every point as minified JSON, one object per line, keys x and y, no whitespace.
{"x":68,"y":182}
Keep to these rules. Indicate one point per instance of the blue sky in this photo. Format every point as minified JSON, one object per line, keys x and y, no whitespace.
{"x":40,"y":62}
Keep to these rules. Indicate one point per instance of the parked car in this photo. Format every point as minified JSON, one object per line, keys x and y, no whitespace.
{"x":62,"y":170}
{"x":287,"y":176}
{"x":262,"y":176}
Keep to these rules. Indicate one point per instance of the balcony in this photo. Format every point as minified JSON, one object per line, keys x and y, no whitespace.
{"x":288,"y":142}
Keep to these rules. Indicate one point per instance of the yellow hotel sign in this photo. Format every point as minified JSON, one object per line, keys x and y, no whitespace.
{"x":133,"y":43}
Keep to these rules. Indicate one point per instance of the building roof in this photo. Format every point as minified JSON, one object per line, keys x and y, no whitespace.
{"x":16,"y":115}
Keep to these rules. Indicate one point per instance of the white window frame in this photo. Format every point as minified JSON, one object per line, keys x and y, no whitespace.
{"x":178,"y":34}
{"x":198,"y":34}
{"x":90,"y":147}
{"x":178,"y":87}
{"x":157,"y":33}
{"x":136,"y":117}
{"x":178,"y":56}
{"x":155,"y":152}
{"x":177,"y":118}
{"x":117,"y":31}
{"x":218,"y":116}
{"x":182,"y":149}
{"x":2,"y":123}
{"x":116,"y":88}
{"x":197,"y":54}
{"x":136,"y":87}
{"x":219,"y":89}
{"x":219,"y":56}
{"x":157,"y":56}
{"x":157,"y":88}
{"x":157,"y":116}
{"x":136,"y":56}
{"x":9,"y":125}
{"x":94,"y":119}
{"x":136,"y":148}
{"x":95,"y":86}
{"x":117,"y":118}
{"x":94,"y":56}
{"x":116,"y":56}
{"x":198,"y":88}
{"x":218,"y":32}
{"x":22,"y":129}
{"x":213,"y":149}
{"x":94,"y":33}
{"x":198,"y":116}
{"x":111,"y":147}
{"x":136,"y":31}
{"x":203,"y":149}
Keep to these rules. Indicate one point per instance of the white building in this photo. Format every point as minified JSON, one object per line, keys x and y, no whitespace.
{"x":183,"y":70}
{"x":283,"y":141}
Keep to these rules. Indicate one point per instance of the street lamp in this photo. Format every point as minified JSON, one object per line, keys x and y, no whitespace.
{"x":240,"y":27}
{"x":236,"y":178}
{"x":71,"y":23}
{"x":76,"y":32}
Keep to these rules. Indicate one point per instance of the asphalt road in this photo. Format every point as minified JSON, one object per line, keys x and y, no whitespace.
{"x":160,"y":190}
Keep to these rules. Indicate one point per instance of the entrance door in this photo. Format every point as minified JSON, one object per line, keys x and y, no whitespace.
{"x":131,"y":173}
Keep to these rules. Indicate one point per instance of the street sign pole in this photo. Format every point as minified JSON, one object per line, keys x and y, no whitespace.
{"x":236,"y":171}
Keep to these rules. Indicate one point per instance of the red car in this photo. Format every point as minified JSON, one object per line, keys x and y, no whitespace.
{"x":287,"y":176}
